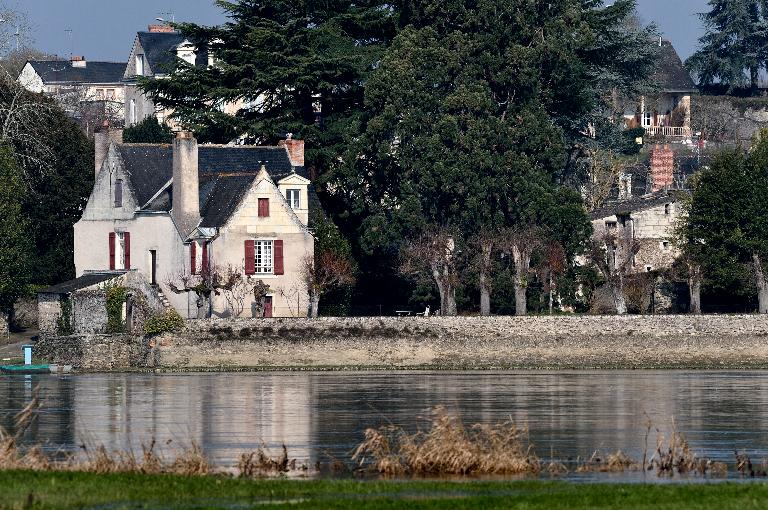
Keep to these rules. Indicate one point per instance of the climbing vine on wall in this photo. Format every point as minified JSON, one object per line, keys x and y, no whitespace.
{"x":116,"y":297}
{"x":64,"y":320}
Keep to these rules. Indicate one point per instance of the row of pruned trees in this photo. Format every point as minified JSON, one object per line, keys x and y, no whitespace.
{"x":439,"y":255}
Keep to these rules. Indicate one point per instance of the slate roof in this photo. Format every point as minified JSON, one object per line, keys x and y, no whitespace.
{"x":671,"y":74}
{"x":159,"y":50}
{"x":632,"y":205}
{"x":61,"y":71}
{"x":87,"y":280}
{"x":226,"y":173}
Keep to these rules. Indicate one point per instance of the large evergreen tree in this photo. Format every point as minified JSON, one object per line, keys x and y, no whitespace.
{"x":734,"y":47}
{"x":16,"y":247}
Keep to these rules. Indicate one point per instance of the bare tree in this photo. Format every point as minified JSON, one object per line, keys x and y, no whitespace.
{"x":433,"y":253}
{"x":553,"y":264}
{"x":329,"y":271}
{"x":236,"y":295}
{"x":762,"y":283}
{"x":604,"y":170}
{"x":521,"y":242}
{"x":613,"y":254}
{"x":486,"y":241}
{"x":209,"y":282}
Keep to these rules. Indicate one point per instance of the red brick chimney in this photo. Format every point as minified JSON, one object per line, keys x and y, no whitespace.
{"x":295,"y":150}
{"x":160,"y":29}
{"x":662,"y":167}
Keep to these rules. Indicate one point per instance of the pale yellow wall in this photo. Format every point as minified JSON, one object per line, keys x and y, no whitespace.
{"x":288,"y":291}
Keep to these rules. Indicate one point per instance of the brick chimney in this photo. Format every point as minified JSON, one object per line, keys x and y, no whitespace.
{"x":186,"y":187}
{"x":78,"y":61}
{"x":295,"y":150}
{"x":662,"y":167}
{"x":102,"y":139}
{"x":160,"y":29}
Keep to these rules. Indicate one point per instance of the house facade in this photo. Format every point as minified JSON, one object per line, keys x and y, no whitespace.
{"x":153,"y":55}
{"x":648,"y":221}
{"x":178,"y":213}
{"x":665,"y":113}
{"x":90,"y":92}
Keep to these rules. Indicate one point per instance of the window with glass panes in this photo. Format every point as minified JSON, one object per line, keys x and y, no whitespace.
{"x":264,"y":259}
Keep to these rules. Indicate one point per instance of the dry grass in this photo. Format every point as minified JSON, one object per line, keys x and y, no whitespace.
{"x":448,"y":448}
{"x":259,"y":463}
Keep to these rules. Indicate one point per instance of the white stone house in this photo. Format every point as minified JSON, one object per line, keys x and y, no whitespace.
{"x":665,"y":113}
{"x":649,"y":221}
{"x":169,"y":211}
{"x":79,"y":86}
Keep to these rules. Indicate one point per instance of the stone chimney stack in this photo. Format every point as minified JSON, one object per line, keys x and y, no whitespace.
{"x":295,"y":150}
{"x":662,"y":167}
{"x":102,"y":139}
{"x":186,"y":186}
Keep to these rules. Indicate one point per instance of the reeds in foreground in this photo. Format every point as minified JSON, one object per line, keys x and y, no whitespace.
{"x":449,"y":448}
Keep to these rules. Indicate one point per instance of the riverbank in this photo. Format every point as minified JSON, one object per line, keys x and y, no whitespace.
{"x":22,"y":489}
{"x":449,"y":343}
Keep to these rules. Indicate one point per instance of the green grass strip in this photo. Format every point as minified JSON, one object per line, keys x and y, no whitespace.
{"x":61,"y":490}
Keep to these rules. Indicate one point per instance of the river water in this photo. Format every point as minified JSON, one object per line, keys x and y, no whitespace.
{"x":324,"y":415}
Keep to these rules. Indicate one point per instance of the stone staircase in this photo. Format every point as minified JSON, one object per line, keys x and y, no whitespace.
{"x":163,"y":298}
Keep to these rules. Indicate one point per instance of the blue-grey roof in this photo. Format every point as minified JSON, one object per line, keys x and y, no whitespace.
{"x":226,"y":173}
{"x":62,"y":71}
{"x":160,"y":50}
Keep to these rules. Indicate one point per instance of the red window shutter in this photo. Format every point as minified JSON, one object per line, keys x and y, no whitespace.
{"x":250,"y":257}
{"x":127,"y":239}
{"x":279,"y":264}
{"x":111,"y":251}
{"x":193,"y":257}
{"x":263,"y":207}
{"x":204,"y":268}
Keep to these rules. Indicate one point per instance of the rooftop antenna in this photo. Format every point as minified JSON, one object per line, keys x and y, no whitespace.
{"x":68,"y":31}
{"x":165,"y":15}
{"x":16,"y":34}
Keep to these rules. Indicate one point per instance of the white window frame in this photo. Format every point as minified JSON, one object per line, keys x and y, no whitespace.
{"x":140,"y":64}
{"x":293,"y":195}
{"x":132,"y":112}
{"x":120,"y":250}
{"x":264,"y":256}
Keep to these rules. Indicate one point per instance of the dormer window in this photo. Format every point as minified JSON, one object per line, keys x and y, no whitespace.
{"x":667,"y":209}
{"x":119,"y":193}
{"x":294,"y":198}
{"x":140,"y":65}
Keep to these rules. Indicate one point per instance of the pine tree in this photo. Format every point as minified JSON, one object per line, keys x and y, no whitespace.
{"x":734,"y":47}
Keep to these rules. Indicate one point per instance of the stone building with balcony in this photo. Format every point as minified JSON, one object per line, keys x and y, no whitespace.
{"x":665,"y":114}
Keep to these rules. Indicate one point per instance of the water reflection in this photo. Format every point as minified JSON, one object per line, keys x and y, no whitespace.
{"x":570,"y":414}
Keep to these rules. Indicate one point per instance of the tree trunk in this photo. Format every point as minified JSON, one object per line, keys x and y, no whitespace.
{"x":762,"y":285}
{"x":314,"y":304}
{"x":522,"y":259}
{"x":694,"y":289}
{"x":485,"y":283}
{"x":450,"y":302}
{"x":551,"y":299}
{"x":619,"y":301}
{"x":753,"y":75}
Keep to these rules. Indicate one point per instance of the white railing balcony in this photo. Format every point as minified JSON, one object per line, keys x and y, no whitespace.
{"x":668,"y":131}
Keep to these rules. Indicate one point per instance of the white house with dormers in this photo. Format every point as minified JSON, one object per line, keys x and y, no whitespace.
{"x":182,"y":209}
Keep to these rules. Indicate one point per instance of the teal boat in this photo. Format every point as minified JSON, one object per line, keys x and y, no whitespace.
{"x":25,"y":369}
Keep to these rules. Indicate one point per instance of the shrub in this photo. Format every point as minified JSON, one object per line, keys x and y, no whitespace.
{"x":164,"y":322}
{"x":116,"y":297}
{"x":64,"y":320}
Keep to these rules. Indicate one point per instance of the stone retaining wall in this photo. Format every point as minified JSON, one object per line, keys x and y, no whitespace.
{"x":94,"y":352}
{"x":440,"y":342}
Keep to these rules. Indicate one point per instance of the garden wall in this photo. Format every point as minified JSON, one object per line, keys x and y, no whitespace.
{"x":564,"y":342}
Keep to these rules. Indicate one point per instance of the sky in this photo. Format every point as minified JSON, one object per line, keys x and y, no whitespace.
{"x":105,"y":29}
